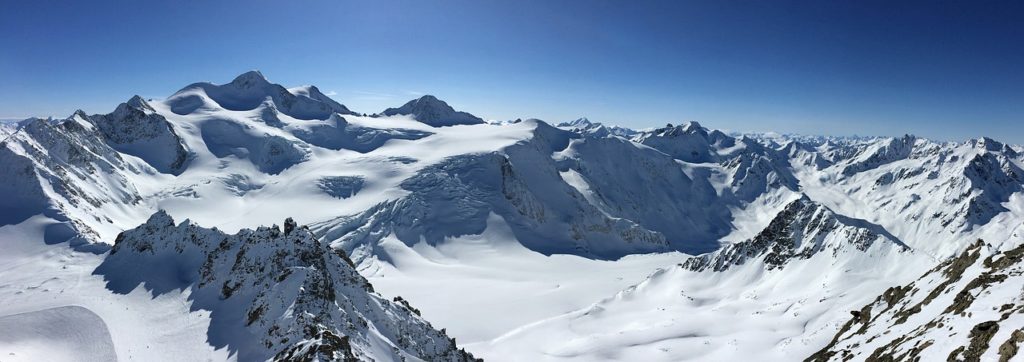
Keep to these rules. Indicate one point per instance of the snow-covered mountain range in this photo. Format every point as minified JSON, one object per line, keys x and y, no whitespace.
{"x":523,"y":240}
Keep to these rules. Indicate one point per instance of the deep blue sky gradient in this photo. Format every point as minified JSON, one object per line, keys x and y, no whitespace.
{"x":940,"y":69}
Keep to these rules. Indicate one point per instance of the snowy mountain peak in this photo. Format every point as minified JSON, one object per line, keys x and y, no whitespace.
{"x":138,"y":103}
{"x":879,"y":153}
{"x":272,"y":294}
{"x":992,"y":145}
{"x":581,"y":122}
{"x":135,"y":128}
{"x":595,"y":129}
{"x":250,"y":79}
{"x":800,"y":231}
{"x":312,"y":92}
{"x":81,"y":119}
{"x":248,"y":91}
{"x":432,"y":111}
{"x":160,"y":218}
{"x":429,"y":98}
{"x":688,"y":128}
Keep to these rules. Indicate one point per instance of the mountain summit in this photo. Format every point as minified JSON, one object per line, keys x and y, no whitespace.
{"x":435,"y":112}
{"x":250,"y":79}
{"x":249,"y":91}
{"x":281,"y":295}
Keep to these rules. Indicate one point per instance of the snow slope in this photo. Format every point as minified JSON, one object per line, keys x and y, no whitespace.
{"x":763,"y":242}
{"x":69,"y":333}
{"x":40,"y":282}
{"x":770,"y":295}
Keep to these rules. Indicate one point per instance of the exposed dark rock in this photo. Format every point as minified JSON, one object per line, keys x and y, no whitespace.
{"x":1009,"y":349}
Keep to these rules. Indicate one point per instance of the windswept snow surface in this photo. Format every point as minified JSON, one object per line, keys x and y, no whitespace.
{"x":59,"y":310}
{"x":523,"y":240}
{"x":70,"y":333}
{"x":490,"y":277}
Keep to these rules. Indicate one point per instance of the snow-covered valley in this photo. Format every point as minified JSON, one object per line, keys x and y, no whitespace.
{"x":427,"y":233}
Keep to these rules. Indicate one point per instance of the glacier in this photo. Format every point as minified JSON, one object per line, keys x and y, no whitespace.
{"x":516,"y":240}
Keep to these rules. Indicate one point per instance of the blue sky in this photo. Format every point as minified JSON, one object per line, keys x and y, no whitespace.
{"x":940,"y":69}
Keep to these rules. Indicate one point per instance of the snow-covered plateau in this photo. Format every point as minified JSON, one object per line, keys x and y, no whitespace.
{"x":248,"y":221}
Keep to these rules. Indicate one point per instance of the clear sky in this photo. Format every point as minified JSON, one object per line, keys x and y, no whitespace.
{"x":940,"y":69}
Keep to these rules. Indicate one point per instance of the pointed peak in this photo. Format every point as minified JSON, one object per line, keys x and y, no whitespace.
{"x":799,"y":203}
{"x":992,"y":145}
{"x":430,"y":101}
{"x":315,"y":93}
{"x":252,"y":74}
{"x":314,"y":90}
{"x":432,"y":111}
{"x":250,"y":78}
{"x":581,"y":122}
{"x":908,"y":138}
{"x":138,"y":103}
{"x":682,"y":129}
{"x":289,"y":225}
{"x":160,"y":218}
{"x":988,"y":144}
{"x":79,"y":118}
{"x":692,"y":125}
